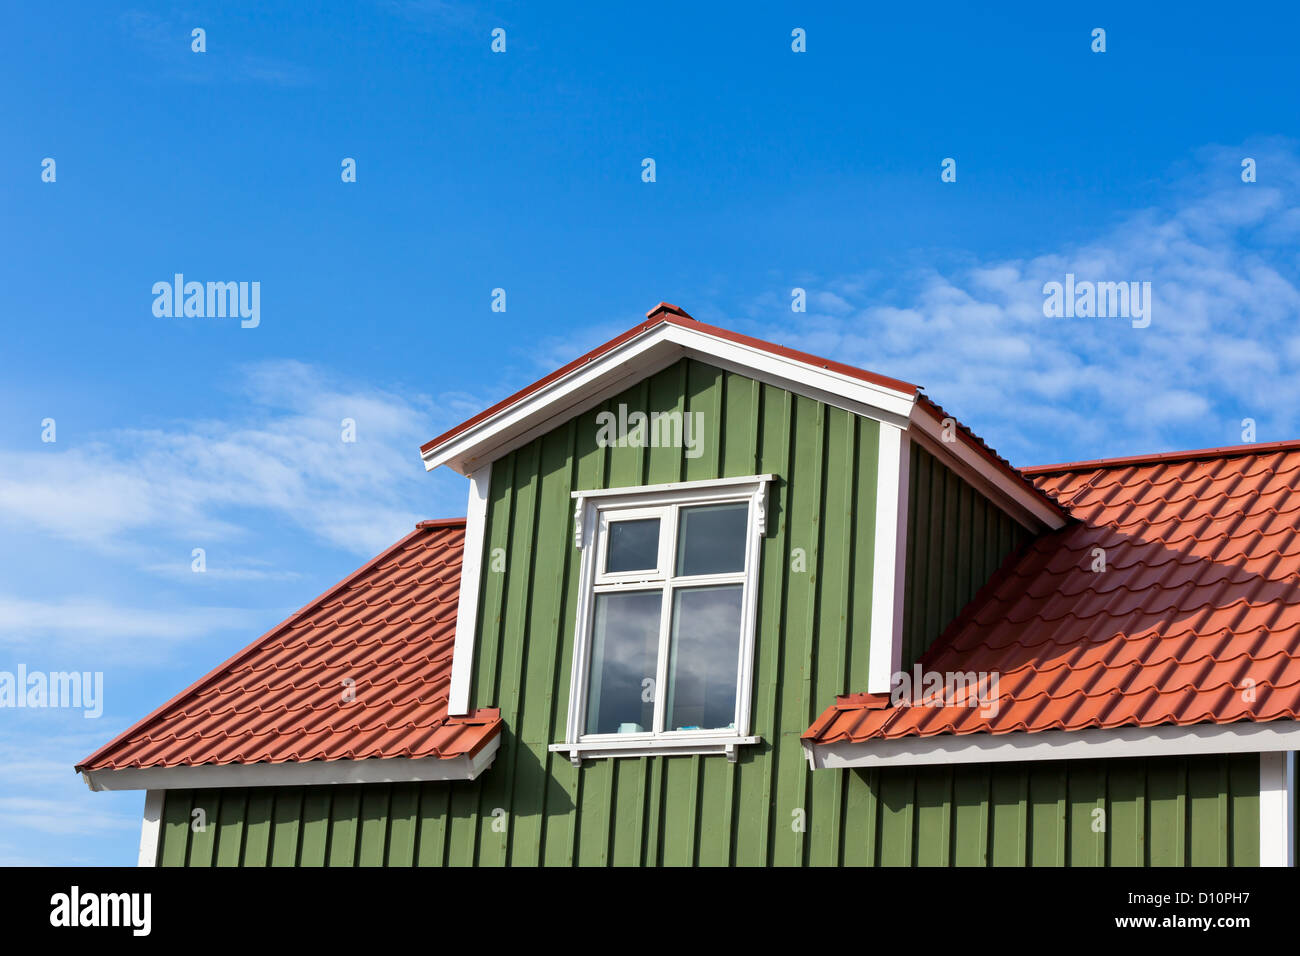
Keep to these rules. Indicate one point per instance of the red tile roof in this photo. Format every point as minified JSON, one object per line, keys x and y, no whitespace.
{"x":389,"y":627}
{"x":1195,"y":619}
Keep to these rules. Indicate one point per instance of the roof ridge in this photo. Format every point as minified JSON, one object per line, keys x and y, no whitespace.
{"x":1225,"y":451}
{"x":428,"y":523}
{"x":668,"y":314}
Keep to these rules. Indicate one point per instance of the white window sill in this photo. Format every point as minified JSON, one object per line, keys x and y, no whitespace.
{"x":728,"y":744}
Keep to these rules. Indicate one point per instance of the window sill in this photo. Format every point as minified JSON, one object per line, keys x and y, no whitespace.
{"x":728,"y":744}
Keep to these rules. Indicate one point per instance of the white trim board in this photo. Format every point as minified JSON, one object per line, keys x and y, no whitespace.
{"x":1007,"y":492}
{"x":471,"y":571}
{"x":1241,"y":737}
{"x":1277,"y":808}
{"x":303,"y":774}
{"x":656,"y":747}
{"x":889,"y":561}
{"x":653,"y":350}
{"x":150,"y":827}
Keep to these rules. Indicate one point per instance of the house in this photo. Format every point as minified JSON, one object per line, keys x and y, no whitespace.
{"x":715,"y":601}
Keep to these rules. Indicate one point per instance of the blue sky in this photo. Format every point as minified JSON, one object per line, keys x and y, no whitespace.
{"x":522,"y":171}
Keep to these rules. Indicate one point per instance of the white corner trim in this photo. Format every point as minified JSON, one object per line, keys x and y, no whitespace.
{"x":644,"y":354}
{"x":1012,"y":495}
{"x":1243,"y":736}
{"x":150,"y":827}
{"x":308,"y":773}
{"x":1277,"y":808}
{"x":471,"y":571}
{"x":889,"y":561}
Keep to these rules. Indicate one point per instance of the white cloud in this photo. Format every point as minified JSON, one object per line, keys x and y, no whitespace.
{"x":84,"y":621}
{"x":282,"y":458}
{"x":1222,"y":343}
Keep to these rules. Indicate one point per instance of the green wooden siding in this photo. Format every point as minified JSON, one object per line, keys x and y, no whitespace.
{"x":956,"y":539}
{"x":814,"y":607}
{"x":814,"y":619}
{"x":1165,"y":811}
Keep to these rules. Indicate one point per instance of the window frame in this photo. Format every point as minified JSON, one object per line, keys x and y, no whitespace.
{"x":593,"y":512}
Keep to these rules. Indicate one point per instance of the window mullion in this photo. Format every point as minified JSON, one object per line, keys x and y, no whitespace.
{"x":661,"y":667}
{"x":668,"y":558}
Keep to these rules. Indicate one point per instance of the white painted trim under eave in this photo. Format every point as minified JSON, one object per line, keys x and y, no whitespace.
{"x":1277,"y":808}
{"x":889,"y":560}
{"x":471,"y":571}
{"x":1243,"y":736}
{"x":1016,"y":498}
{"x":150,"y":827}
{"x":309,"y":773}
{"x":643,"y":355}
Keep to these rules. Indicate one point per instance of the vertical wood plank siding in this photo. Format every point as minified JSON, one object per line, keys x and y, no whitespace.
{"x":814,"y":617}
{"x":956,"y":539}
{"x":1163,"y":811}
{"x":813,"y":622}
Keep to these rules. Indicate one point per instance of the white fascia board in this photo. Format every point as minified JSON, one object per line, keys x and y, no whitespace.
{"x":149,"y":828}
{"x":814,"y":381}
{"x":1244,"y":736}
{"x":644,"y":355}
{"x":1019,"y":501}
{"x":1277,"y":808}
{"x":889,"y":560}
{"x":535,"y":414}
{"x":471,"y":570}
{"x":308,"y":773}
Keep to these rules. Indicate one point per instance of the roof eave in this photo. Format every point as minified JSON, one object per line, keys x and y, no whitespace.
{"x":1242,"y":736}
{"x":466,"y":766}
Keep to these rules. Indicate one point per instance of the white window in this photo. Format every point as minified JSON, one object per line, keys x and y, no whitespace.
{"x":664,"y":644}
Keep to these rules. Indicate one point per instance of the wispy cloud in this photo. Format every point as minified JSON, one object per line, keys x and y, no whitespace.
{"x":283,"y":458}
{"x":1223,"y":343}
{"x":85,"y":622}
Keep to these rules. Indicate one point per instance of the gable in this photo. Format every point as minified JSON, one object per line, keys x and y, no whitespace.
{"x":814,"y":605}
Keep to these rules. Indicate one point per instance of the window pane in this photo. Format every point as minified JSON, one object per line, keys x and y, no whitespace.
{"x":633,"y":545}
{"x":711,"y":539}
{"x":705,"y":653}
{"x":624,"y":655}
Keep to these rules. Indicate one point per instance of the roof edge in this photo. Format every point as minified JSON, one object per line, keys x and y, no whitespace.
{"x":1164,"y":739}
{"x":86,"y":764}
{"x":667,"y":314}
{"x":298,"y":773}
{"x":1225,"y":451}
